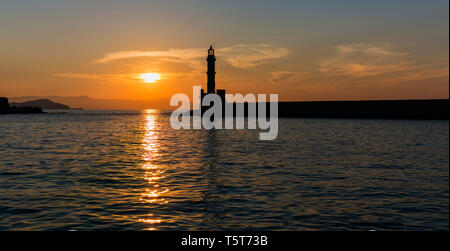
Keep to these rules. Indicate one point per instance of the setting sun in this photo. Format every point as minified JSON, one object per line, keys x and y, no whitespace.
{"x":150,"y":77}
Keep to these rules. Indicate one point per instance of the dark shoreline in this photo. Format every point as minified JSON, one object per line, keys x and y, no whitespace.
{"x":435,"y":109}
{"x":380,"y":109}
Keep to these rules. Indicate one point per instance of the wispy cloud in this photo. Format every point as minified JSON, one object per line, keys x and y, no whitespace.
{"x":246,"y":56}
{"x":278,"y":77}
{"x":241,"y":55}
{"x":102,"y":77}
{"x":378,"y":59}
{"x":186,"y":56}
{"x":420,"y":74}
{"x":172,"y":54}
{"x":365,"y":59}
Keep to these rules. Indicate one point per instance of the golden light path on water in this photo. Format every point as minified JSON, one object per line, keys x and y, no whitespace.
{"x":153,"y":173}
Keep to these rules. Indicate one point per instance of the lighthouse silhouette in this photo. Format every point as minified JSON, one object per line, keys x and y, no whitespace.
{"x":211,"y":76}
{"x":211,"y":73}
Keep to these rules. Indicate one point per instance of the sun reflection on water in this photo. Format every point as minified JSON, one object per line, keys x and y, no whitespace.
{"x":153,"y":173}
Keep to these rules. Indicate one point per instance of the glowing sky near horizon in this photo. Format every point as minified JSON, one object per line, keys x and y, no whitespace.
{"x":302,"y":50}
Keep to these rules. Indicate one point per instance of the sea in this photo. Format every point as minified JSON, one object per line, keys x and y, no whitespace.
{"x":129,"y":170}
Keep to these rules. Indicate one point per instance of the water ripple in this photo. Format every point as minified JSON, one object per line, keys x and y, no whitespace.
{"x":94,"y":170}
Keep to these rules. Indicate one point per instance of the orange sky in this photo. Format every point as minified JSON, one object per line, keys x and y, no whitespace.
{"x":302,"y":51}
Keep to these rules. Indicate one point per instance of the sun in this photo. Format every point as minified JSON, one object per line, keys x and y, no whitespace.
{"x":150,"y":77}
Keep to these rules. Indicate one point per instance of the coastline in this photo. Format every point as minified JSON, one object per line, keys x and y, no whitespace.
{"x":433,"y":109}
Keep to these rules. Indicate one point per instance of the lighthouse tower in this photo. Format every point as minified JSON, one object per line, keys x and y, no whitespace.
{"x":211,"y":84}
{"x":211,"y":59}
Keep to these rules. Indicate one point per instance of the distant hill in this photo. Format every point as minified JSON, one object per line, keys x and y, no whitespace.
{"x":42,"y":103}
{"x":89,"y":103}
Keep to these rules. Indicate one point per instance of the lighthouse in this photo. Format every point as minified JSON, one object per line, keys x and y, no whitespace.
{"x":211,"y":73}
{"x":211,"y":77}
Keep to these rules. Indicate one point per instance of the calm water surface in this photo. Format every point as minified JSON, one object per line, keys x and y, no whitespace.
{"x":92,"y":170}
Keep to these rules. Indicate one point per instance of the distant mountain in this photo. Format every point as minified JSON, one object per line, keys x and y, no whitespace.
{"x":42,"y":103}
{"x":89,"y":103}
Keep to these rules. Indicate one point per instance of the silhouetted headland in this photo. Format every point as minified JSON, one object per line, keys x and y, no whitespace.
{"x":42,"y":103}
{"x":5,"y":108}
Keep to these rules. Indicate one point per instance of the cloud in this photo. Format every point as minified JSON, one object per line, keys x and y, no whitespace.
{"x":172,"y":54}
{"x":241,"y":55}
{"x":277,"y":77}
{"x":377,"y":59}
{"x":365,"y":60}
{"x":420,"y":75}
{"x":246,"y":56}
{"x":187,"y":56}
{"x":103,"y":77}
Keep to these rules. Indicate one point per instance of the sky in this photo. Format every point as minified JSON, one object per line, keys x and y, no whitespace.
{"x":300,"y":50}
